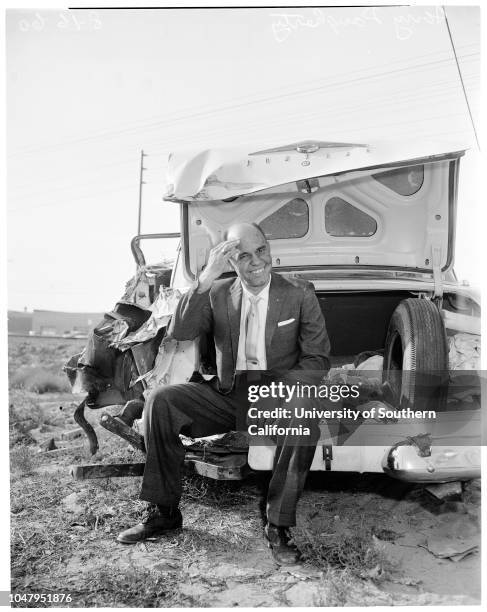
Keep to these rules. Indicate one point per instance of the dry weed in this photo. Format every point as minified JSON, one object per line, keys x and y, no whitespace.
{"x":38,"y":380}
{"x":358,"y":553}
{"x":21,"y":459}
{"x":216,"y":492}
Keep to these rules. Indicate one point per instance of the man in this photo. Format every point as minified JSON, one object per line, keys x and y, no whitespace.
{"x":261,"y":323}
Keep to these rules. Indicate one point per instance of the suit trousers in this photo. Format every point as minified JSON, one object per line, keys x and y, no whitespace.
{"x":199,"y":409}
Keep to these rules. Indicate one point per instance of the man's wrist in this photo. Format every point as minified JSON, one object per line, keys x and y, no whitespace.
{"x":202,"y":286}
{"x":205,"y":281}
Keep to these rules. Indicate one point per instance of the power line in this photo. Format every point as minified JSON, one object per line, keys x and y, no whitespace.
{"x":229,"y":107}
{"x":308,"y":116}
{"x":279,"y":121}
{"x":334,"y":112}
{"x":70,"y":187}
{"x":432,"y":90}
{"x":89,"y":170}
{"x":361,"y":129}
{"x":460,"y":75}
{"x":80,"y":197}
{"x":300,"y":94}
{"x":304,"y":120}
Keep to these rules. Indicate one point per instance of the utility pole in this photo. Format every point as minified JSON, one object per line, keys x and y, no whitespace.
{"x":141,"y":182}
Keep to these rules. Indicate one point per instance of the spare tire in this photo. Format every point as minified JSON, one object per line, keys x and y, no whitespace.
{"x":416,"y":355}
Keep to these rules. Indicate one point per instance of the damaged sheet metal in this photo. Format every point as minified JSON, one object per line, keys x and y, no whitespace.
{"x":142,"y":288}
{"x":137,"y":290}
{"x":231,"y":442}
{"x":107,"y":370}
{"x":464,"y":352}
{"x":99,"y":352}
{"x":175,"y":363}
{"x":106,"y":374}
{"x":161,"y":311}
{"x":145,"y":353}
{"x":218,"y":174}
{"x":113,"y":331}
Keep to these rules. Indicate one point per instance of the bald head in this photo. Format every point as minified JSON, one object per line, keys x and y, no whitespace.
{"x":253,"y":261}
{"x":244,"y":230}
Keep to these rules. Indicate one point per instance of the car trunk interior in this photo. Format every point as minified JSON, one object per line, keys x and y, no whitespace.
{"x":357,"y":321}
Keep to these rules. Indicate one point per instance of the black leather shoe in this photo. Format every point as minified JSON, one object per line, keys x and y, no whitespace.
{"x":156,"y":521}
{"x":280,"y":542}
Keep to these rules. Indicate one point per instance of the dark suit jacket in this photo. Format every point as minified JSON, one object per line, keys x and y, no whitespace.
{"x":301,"y":344}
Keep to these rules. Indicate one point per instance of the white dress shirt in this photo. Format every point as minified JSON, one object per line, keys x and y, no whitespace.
{"x":261,"y":305}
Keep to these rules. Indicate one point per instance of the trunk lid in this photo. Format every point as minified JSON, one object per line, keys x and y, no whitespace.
{"x":325,"y":205}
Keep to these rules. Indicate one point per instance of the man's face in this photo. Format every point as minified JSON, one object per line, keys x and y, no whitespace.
{"x":253,"y":262}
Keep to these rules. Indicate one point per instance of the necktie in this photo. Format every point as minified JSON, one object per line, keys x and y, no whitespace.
{"x":252,"y":334}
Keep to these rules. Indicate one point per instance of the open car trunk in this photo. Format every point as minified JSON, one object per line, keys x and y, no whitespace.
{"x":357,"y":321}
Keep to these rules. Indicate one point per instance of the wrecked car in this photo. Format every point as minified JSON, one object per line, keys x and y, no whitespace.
{"x":373,"y":228}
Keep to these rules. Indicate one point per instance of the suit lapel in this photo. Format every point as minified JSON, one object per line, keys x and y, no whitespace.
{"x":276,"y":295}
{"x":234,"y":305}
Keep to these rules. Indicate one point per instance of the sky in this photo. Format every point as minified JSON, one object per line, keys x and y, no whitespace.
{"x":87,"y":90}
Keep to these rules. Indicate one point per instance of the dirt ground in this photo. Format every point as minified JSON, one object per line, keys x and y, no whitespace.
{"x":366,"y":539}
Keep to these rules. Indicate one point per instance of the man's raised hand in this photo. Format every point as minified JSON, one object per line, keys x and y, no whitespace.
{"x":217,"y":263}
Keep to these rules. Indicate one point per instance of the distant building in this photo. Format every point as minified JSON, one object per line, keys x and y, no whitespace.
{"x":19,"y":322}
{"x":52,"y":323}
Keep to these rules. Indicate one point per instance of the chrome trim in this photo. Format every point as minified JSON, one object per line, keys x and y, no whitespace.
{"x":402,"y":464}
{"x":137,"y":251}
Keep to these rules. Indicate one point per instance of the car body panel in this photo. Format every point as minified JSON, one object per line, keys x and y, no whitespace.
{"x":219,"y":174}
{"x":445,"y":464}
{"x":389,"y":447}
{"x":399,"y":231}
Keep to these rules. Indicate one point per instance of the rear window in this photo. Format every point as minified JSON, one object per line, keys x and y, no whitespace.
{"x":403,"y":181}
{"x":342,"y":219}
{"x":289,"y":221}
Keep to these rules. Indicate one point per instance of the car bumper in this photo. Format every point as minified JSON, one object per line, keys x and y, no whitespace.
{"x":444,"y":464}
